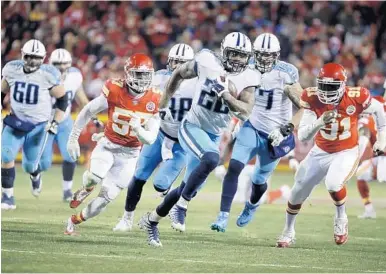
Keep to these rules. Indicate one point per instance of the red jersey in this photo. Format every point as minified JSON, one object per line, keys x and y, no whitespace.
{"x":121,"y":106}
{"x":368,"y":121}
{"x":343,"y":134}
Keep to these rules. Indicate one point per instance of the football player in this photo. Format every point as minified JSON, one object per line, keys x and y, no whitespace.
{"x":225,"y":85}
{"x":132,"y":120}
{"x":72,"y":80}
{"x":166,"y":148}
{"x":370,"y":169}
{"x":331,"y":114}
{"x":268,"y":132}
{"x":31,"y":85}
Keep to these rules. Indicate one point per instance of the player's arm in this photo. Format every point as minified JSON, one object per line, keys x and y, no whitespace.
{"x":61,"y":105}
{"x":364,"y":139}
{"x":146,"y":134}
{"x":241,"y":107}
{"x":310,"y":124}
{"x":82,"y":100}
{"x":294,"y":92}
{"x":376,"y":108}
{"x":187,"y":70}
{"x":4,"y":90}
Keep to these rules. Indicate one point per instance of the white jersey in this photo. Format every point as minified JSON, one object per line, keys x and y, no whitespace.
{"x":72,"y":82}
{"x":272,"y":107}
{"x":179,"y":104}
{"x":208,"y":111}
{"x":29,"y":92}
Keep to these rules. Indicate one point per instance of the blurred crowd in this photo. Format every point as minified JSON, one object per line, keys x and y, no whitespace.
{"x":100,"y":35}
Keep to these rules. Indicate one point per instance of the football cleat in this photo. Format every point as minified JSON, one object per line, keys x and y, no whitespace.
{"x":7,"y":203}
{"x":340,"y":230}
{"x":124,"y":224}
{"x":368,"y":214}
{"x":151,"y":228}
{"x":221,"y":223}
{"x":247,"y":214}
{"x":36,"y":185}
{"x":286,"y":239}
{"x":163,"y":194}
{"x":70,"y":227}
{"x":177,"y":217}
{"x":67,"y":195}
{"x":79,"y":197}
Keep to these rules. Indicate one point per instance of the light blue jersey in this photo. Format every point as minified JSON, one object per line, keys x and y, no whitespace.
{"x":72,"y":82}
{"x":29,"y":92}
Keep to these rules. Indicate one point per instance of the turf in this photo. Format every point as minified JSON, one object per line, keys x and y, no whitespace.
{"x":32,"y":236}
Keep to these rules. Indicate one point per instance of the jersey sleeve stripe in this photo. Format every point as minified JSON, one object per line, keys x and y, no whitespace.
{"x":105,"y":91}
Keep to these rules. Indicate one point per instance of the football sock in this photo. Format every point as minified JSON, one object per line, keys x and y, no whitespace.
{"x":339,"y":198}
{"x":128,"y":214}
{"x":67,"y":185}
{"x":134,"y":192}
{"x":7,"y":180}
{"x":291,"y":213}
{"x":94,"y":207}
{"x":364,"y":191}
{"x":198,"y":176}
{"x":229,"y":186}
{"x":154,"y":217}
{"x":68,"y":170}
{"x":170,"y":200}
{"x":257,"y":192}
{"x":36,"y":174}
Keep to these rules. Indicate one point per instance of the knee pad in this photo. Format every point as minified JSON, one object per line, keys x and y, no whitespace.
{"x":159,"y":187}
{"x":333,"y":186}
{"x":210,"y":159}
{"x":7,"y":155}
{"x":29,"y":166}
{"x":110,"y":192}
{"x":90,"y":179}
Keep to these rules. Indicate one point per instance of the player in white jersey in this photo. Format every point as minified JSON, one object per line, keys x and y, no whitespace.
{"x":31,"y":85}
{"x":225,"y":84}
{"x":72,"y":80}
{"x":268,"y":132}
{"x":166,"y":150}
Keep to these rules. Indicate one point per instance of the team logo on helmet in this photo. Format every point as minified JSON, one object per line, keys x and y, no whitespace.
{"x":150,"y":106}
{"x":350,"y":110}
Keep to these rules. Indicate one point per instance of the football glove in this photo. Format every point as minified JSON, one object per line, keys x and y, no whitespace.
{"x":52,"y":127}
{"x":73,"y":148}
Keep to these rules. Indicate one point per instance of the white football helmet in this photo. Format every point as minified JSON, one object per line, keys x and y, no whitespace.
{"x":236,"y":49}
{"x":179,"y":54}
{"x":33,"y":54}
{"x":266,"y":49}
{"x":61,"y":58}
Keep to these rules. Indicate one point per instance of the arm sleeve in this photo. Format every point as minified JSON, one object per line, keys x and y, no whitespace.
{"x":91,"y":109}
{"x":309,"y":125}
{"x":149,"y":132}
{"x":376,"y":108}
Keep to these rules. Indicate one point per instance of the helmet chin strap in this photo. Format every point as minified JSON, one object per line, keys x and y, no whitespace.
{"x":133,"y":93}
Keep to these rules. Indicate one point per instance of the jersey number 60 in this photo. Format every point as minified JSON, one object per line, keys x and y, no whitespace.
{"x":26,"y":93}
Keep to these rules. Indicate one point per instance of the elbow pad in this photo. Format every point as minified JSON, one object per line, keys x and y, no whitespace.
{"x":62,"y":102}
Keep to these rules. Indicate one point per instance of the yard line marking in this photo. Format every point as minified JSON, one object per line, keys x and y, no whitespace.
{"x":180,"y":260}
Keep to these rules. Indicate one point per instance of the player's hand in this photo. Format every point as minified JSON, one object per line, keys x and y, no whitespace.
{"x":73,"y":148}
{"x":276,"y":137}
{"x":96,"y":122}
{"x":380,"y":144}
{"x":166,"y":115}
{"x":135,"y":122}
{"x":329,"y":117}
{"x":97,"y":136}
{"x":220,"y":86}
{"x":293,"y":164}
{"x":52,"y":127}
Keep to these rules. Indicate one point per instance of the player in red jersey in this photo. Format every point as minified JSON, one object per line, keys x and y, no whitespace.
{"x":369,"y":169}
{"x":132,"y":120}
{"x":331,"y":115}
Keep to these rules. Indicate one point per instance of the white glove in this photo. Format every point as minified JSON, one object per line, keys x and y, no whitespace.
{"x":135,"y":122}
{"x":97,"y":136}
{"x":276,"y":137}
{"x":73,"y":148}
{"x":221,"y":86}
{"x":380,"y":144}
{"x":166,"y":115}
{"x":52,"y":127}
{"x":329,"y":117}
{"x":293,"y":164}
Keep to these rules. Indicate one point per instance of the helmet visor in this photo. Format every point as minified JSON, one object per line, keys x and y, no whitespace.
{"x":236,"y":60}
{"x":265,"y":61}
{"x":329,"y":92}
{"x":32,"y":62}
{"x":139,"y":80}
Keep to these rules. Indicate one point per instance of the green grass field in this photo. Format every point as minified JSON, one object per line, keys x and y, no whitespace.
{"x":32,"y":236}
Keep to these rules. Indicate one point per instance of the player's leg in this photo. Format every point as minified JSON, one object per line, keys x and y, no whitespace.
{"x":68,"y":165}
{"x":263,"y":170}
{"x":310,"y":173}
{"x":366,"y":172}
{"x":116,"y":179}
{"x":341,"y":169}
{"x":244,"y":149}
{"x":11,"y":142}
{"x":101,"y":162}
{"x":148,"y":160}
{"x":33,"y":149}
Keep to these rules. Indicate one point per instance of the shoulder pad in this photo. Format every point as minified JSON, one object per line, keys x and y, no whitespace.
{"x":74,"y":70}
{"x":11,"y":65}
{"x":163,"y":72}
{"x":206,"y":57}
{"x":289,"y":69}
{"x":117,"y":82}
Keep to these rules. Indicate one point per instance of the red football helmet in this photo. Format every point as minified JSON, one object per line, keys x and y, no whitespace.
{"x":139,"y":72}
{"x":331,"y":82}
